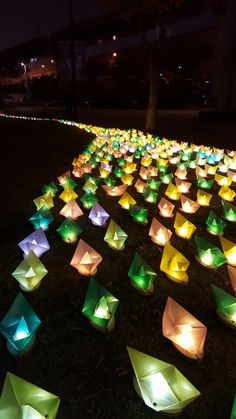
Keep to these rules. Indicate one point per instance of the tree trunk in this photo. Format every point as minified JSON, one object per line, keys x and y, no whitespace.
{"x":224,"y":85}
{"x":151,"y":115}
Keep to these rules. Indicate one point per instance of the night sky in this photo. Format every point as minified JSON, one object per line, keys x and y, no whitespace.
{"x":22,"y":20}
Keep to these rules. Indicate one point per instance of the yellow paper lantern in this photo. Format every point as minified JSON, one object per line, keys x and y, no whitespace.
{"x":126,"y":201}
{"x":183,"y":227}
{"x":203,"y":198}
{"x":229,"y":250}
{"x":174,"y":264}
{"x":172,"y":192}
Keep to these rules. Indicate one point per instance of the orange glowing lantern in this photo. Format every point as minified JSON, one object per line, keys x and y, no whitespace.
{"x":115,"y":190}
{"x":140,"y":186}
{"x":232,"y":275}
{"x":72,"y":210}
{"x":182,"y":186}
{"x":159,"y":233}
{"x":187,"y":333}
{"x":85,"y":259}
{"x":166,"y":208}
{"x":188,"y":205}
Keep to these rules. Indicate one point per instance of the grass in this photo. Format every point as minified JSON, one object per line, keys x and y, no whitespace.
{"x":88,"y":370}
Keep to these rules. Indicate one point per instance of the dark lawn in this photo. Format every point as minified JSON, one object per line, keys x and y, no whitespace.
{"x":88,"y":370}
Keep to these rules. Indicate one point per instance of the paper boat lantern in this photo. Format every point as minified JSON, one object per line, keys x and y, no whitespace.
{"x":115,"y":190}
{"x":23,"y":400}
{"x":100,"y":306}
{"x":229,"y":250}
{"x":115,"y":236}
{"x":63,"y":178}
{"x":41,"y":219}
{"x":203,"y":198}
{"x":69,"y":230}
{"x":166,"y":208}
{"x":204,"y":183}
{"x":146,"y":161}
{"x":118,"y":172}
{"x":50,"y":189}
{"x":215,"y":225}
{"x":69,"y":183}
{"x":188,"y":205}
{"x":85,"y":259}
{"x":36,"y":241}
{"x":142,"y":275}
{"x":186,"y":332}
{"x":223,"y":180}
{"x":229,"y":211}
{"x":159,"y":233}
{"x":226,"y":306}
{"x":72,"y":210}
{"x":109,"y":181}
{"x":19,"y":326}
{"x":30,"y":272}
{"x":181,"y":173}
{"x":174,"y":264}
{"x":226,"y":193}
{"x":182,"y":186}
{"x":232,"y":275}
{"x":153,"y":184}
{"x":183,"y":227}
{"x":140,"y":186}
{"x":143,"y":173}
{"x":127,"y":179}
{"x":88,"y":200}
{"x":78,"y":172}
{"x":166,"y":178}
{"x":150,"y":196}
{"x":233,"y":412}
{"x":161,"y":386}
{"x":98,"y":216}
{"x":90,"y":187}
{"x":68,"y":194}
{"x":126,"y":201}
{"x":208,"y":254}
{"x":138,"y":214}
{"x":44,"y":202}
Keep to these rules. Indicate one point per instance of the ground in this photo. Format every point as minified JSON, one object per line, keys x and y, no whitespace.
{"x":89,"y":370}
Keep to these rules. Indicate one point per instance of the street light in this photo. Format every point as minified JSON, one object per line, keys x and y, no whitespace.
{"x":25,"y":75}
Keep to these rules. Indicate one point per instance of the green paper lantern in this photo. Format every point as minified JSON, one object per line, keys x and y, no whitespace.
{"x":233,"y":413}
{"x":204,"y":183}
{"x":115,"y":236}
{"x":226,"y":306}
{"x":138,"y":214}
{"x":118,"y":172}
{"x":141,"y":274}
{"x":167,"y":178}
{"x":69,"y":183}
{"x":69,"y":230}
{"x":208,"y":254}
{"x":215,"y":225}
{"x":50,"y":188}
{"x":23,"y":400}
{"x":161,"y":386}
{"x":109,"y":181}
{"x":150,"y":196}
{"x":153,"y":184}
{"x":229,"y":211}
{"x":19,"y":326}
{"x":41,"y":219}
{"x":100,"y":306}
{"x":30,"y":272}
{"x":88,"y":200}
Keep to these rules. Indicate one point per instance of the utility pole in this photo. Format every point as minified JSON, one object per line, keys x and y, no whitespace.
{"x":73,"y":67}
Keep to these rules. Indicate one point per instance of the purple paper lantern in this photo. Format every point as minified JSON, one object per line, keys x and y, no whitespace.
{"x":36,"y":241}
{"x":98,"y":215}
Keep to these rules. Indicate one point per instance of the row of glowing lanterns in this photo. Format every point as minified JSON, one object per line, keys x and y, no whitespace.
{"x":161,"y":385}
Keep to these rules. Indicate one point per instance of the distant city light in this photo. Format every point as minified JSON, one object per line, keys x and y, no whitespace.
{"x":180,"y":67}
{"x":42,"y":65}
{"x":52,"y":61}
{"x":114,"y":54}
{"x":114,"y":37}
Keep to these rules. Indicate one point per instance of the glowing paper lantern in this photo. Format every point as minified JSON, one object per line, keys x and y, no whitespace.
{"x":229,"y":249}
{"x":100,"y":306}
{"x":204,"y":183}
{"x":223,"y":180}
{"x":226,"y":193}
{"x":63,"y":178}
{"x":140,"y":186}
{"x":186,"y":332}
{"x":166,"y":208}
{"x":126,"y":201}
{"x":72,"y":210}
{"x":143,"y":173}
{"x":215,"y":225}
{"x":69,"y":230}
{"x":183,"y":227}
{"x":229,"y":211}
{"x":226,"y":305}
{"x":109,"y":181}
{"x":153,"y":184}
{"x":85,"y":259}
{"x":41,"y":219}
{"x":233,"y":413}
{"x":50,"y":189}
{"x":174,"y":264}
{"x":203,"y":198}
{"x":19,"y":326}
{"x":232,"y":275}
{"x":127,"y":179}
{"x":208,"y":254}
{"x":69,"y":183}
{"x":181,"y":173}
{"x":161,"y":386}
{"x":88,"y":200}
{"x":159,"y":233}
{"x":37,"y":241}
{"x":115,"y":236}
{"x":142,"y":275}
{"x":188,"y":205}
{"x":182,"y":186}
{"x":68,"y":194}
{"x":150,"y":196}
{"x":90,"y":186}
{"x":30,"y":272}
{"x":23,"y":400}
{"x":118,"y":172}
{"x":138,"y":214}
{"x":166,"y":178}
{"x":98,"y":215}
{"x":172,"y":192}
{"x":115,"y":190}
{"x":44,"y":202}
